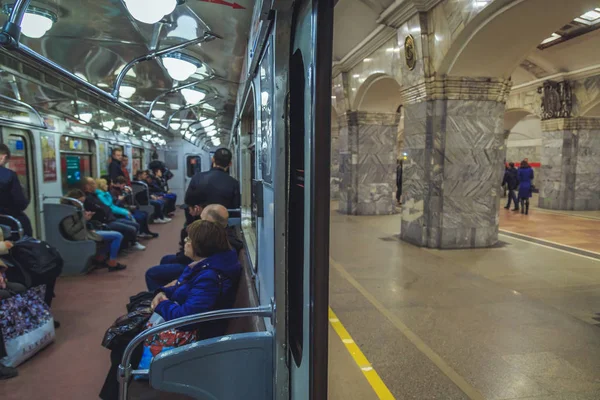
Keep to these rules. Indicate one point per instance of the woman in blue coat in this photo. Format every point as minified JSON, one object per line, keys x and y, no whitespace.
{"x":209,"y":283}
{"x":525,"y":175}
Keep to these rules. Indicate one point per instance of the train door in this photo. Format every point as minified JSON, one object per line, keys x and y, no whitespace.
{"x":22,"y":162}
{"x":309,"y":134}
{"x":193,"y":165}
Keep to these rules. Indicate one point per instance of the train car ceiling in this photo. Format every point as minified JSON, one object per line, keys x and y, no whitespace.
{"x":69,"y":57}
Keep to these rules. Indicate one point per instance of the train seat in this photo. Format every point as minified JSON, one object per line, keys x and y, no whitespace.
{"x":237,"y":365}
{"x":77,"y":256}
{"x":139,"y":187}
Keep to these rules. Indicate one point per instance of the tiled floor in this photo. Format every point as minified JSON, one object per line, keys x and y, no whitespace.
{"x":514,"y":322}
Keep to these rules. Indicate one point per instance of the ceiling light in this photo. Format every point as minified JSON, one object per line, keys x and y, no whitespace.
{"x":175,"y":125}
{"x":108,"y":124}
{"x":126,"y":91}
{"x":210,"y":128}
{"x":264,"y":98}
{"x":174,"y":106}
{"x":368,"y":60}
{"x":480,"y":3}
{"x":216,"y":141}
{"x":207,"y":122}
{"x":180,"y":66}
{"x":102,"y":84}
{"x":187,"y":28}
{"x":124,"y":129}
{"x":81,"y":76}
{"x":130,"y":72}
{"x":208,"y":107}
{"x":183,"y":132}
{"x":211,"y":133}
{"x":193,"y":96}
{"x":591,"y":15}
{"x":158,"y":114}
{"x":188,"y":135}
{"x":552,"y":38}
{"x":36,"y":21}
{"x":185,"y":125}
{"x":356,"y":76}
{"x":150,"y":11}
{"x":85,"y":117}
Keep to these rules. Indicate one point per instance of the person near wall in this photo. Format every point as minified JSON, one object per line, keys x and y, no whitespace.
{"x":12,"y":201}
{"x":115,"y":168}
{"x":76,"y":227}
{"x":398,"y":181}
{"x":511,"y":181}
{"x":124,"y":166}
{"x":525,"y":176}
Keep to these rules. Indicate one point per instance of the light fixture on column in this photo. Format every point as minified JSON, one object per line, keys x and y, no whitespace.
{"x":180,"y":66}
{"x":158,"y":114}
{"x":36,"y":21}
{"x":150,"y":11}
{"x":192,"y":96}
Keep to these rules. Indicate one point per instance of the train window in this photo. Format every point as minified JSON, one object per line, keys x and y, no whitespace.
{"x":137,"y":159}
{"x":193,"y":165}
{"x":18,"y":161}
{"x":295,"y":257}
{"x":77,"y":160}
{"x":266,"y":116}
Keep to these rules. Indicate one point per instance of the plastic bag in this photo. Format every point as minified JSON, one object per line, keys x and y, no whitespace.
{"x":126,"y":327}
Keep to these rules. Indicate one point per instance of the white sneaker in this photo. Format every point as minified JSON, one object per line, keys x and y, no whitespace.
{"x":159,"y":221}
{"x":138,"y":246}
{"x":145,"y":236}
{"x":167,"y":219}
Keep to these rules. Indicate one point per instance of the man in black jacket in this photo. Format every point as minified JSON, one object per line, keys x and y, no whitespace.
{"x":511,"y":180}
{"x":12,"y":201}
{"x":218,"y":186}
{"x":114,"y":168}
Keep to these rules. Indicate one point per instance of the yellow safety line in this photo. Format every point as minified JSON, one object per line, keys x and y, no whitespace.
{"x":458,"y":380}
{"x":365,"y":366}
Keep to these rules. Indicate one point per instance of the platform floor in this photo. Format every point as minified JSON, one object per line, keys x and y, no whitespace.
{"x":512,"y":322}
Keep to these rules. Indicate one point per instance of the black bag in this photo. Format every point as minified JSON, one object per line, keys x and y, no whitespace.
{"x":37,"y":257}
{"x":126,"y":327}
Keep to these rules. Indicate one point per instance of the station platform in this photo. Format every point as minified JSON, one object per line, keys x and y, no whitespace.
{"x":511,"y":322}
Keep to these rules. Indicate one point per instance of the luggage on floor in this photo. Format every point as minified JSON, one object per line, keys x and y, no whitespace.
{"x":27,"y":325}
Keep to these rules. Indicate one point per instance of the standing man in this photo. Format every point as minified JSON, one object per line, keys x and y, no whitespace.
{"x":12,"y":200}
{"x":114,"y":168}
{"x":218,"y":186}
{"x":511,"y":180}
{"x":124,"y":170}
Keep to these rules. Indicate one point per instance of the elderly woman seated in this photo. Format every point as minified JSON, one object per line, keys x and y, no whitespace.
{"x":208,"y":283}
{"x":74,"y":228}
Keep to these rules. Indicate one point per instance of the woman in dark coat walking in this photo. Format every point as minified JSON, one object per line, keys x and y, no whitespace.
{"x":526,"y":176}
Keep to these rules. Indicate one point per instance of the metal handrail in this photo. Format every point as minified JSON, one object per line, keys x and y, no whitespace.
{"x":175,"y":90}
{"x":20,"y":229}
{"x":187,"y":107}
{"x":207,"y":36}
{"x":80,"y":204}
{"x":125,"y":372}
{"x":29,"y":107}
{"x":230,"y":210}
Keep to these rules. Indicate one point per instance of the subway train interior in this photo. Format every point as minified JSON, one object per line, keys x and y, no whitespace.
{"x":310,"y":199}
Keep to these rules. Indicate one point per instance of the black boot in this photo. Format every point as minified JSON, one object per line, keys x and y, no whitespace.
{"x":522,"y":206}
{"x":7,"y":372}
{"x":527,"y":207}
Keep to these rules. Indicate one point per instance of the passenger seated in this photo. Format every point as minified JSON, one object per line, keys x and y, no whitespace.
{"x":156,"y":186}
{"x":74,"y":228}
{"x":104,"y":219}
{"x":121,"y":196}
{"x":144,"y":199}
{"x":208,"y":283}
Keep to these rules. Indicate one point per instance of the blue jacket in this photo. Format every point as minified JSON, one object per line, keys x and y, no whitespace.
{"x":209,"y":285}
{"x":12,"y":200}
{"x":106,"y":198}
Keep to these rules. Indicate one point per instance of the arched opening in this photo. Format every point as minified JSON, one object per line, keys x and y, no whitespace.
{"x":380,"y":93}
{"x":487,"y":48}
{"x":524,"y":140}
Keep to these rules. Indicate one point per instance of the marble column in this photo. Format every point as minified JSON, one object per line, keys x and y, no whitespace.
{"x":451,"y":180}
{"x":335,"y":163}
{"x":367,"y":163}
{"x":570,"y":164}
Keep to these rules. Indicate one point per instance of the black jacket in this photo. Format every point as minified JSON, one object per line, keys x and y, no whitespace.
{"x":220,"y":188}
{"x":12,"y":200}
{"x":103,"y":213}
{"x":511,"y":179}
{"x":114,"y":170}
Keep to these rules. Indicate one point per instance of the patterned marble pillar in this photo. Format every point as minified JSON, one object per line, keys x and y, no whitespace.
{"x":571,"y":164}
{"x":451,"y":180}
{"x":367,"y":163}
{"x":335,"y":163}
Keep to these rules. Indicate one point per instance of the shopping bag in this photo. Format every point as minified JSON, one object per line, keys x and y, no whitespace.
{"x":163,"y":341}
{"x":126,"y":327}
{"x":27,"y":325}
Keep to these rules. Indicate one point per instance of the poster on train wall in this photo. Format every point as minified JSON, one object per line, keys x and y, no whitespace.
{"x":49,"y":157}
{"x":73,"y":170}
{"x":103,"y":156}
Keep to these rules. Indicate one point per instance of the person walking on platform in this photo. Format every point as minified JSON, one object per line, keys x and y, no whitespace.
{"x":12,"y":201}
{"x":525,"y":176}
{"x":511,"y":180}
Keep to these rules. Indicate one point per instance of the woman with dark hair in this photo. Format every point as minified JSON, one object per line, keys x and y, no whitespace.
{"x":208,"y":283}
{"x":526,"y":176}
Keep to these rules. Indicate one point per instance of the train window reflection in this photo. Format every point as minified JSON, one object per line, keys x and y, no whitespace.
{"x":77,"y":160}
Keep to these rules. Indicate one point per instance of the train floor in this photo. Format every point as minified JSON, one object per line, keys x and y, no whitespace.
{"x":517,"y":321}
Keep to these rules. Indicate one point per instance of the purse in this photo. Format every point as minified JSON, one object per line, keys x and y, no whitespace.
{"x":27,"y":325}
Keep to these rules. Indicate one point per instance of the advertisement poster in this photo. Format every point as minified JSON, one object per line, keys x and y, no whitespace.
{"x":103,"y":156}
{"x":49,"y":157}
{"x":73,"y":170}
